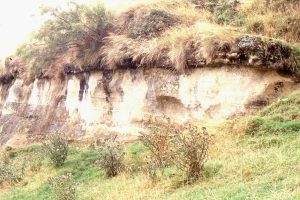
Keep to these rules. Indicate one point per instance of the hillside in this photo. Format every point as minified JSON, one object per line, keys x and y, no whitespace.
{"x":240,"y":166}
{"x":160,"y":99}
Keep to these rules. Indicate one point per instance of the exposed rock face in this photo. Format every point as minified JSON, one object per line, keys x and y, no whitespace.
{"x":89,"y":104}
{"x":247,"y":51}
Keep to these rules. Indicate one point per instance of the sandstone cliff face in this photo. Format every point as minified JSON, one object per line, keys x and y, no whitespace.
{"x":99,"y":103}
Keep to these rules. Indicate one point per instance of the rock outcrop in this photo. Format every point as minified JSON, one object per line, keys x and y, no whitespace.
{"x":97,"y":103}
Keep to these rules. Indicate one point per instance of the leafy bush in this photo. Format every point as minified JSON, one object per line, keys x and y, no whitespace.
{"x":111,"y":156}
{"x":56,"y":148}
{"x":189,"y":150}
{"x":63,"y":187}
{"x":69,"y":28}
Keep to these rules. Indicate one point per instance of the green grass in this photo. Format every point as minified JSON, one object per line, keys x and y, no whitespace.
{"x":240,"y":167}
{"x":264,"y":165}
{"x":281,"y":117}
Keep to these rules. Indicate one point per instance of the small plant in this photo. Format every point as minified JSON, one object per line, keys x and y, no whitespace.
{"x":157,"y":140}
{"x":8,"y":174}
{"x":111,"y":156}
{"x":56,"y":148}
{"x":63,"y":187}
{"x":152,"y":168}
{"x":11,"y":172}
{"x":188,"y":150}
{"x":226,"y":12}
{"x":152,"y":24}
{"x":35,"y":162}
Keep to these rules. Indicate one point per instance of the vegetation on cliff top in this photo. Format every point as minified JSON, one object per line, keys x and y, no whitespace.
{"x":163,"y":33}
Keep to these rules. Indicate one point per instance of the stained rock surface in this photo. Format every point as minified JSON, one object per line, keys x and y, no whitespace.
{"x":98,"y":103}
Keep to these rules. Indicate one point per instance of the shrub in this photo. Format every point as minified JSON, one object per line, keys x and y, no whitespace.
{"x":63,"y":187}
{"x":80,"y":28}
{"x":151,"y":168}
{"x":56,"y":148}
{"x":111,"y":156}
{"x":35,"y":162}
{"x":225,"y":12}
{"x":11,"y":172}
{"x":152,"y":24}
{"x":8,"y":174}
{"x":157,"y":140}
{"x":188,"y":150}
{"x":184,"y":147}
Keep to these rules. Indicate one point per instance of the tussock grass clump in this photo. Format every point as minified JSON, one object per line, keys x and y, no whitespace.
{"x":35,"y":161}
{"x":56,"y":148}
{"x":177,"y":48}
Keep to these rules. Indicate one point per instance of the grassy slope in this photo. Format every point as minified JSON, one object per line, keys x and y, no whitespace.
{"x":241,"y":166}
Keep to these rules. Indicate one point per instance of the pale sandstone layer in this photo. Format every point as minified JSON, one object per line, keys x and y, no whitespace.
{"x":100,"y":103}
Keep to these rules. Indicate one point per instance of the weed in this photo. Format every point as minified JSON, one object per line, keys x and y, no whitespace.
{"x":56,"y":148}
{"x":11,"y":172}
{"x":35,"y":161}
{"x":111,"y":156}
{"x":152,"y":24}
{"x":189,"y":151}
{"x":63,"y":187}
{"x":225,"y":12}
{"x":157,"y":141}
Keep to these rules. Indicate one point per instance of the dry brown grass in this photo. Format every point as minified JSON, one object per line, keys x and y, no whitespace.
{"x":278,"y":19}
{"x":189,"y":42}
{"x":169,"y":50}
{"x":182,"y":8}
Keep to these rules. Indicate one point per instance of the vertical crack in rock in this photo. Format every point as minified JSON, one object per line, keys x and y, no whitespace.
{"x":118,"y":83}
{"x":133,"y":74}
{"x":106,"y":80}
{"x":84,"y":87}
